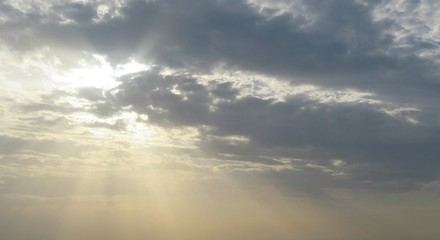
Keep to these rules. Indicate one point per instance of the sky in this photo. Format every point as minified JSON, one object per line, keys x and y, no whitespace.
{"x":220,"y":119}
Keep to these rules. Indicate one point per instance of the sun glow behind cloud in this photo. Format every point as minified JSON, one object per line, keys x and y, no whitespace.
{"x":219,"y":120}
{"x":97,"y":72}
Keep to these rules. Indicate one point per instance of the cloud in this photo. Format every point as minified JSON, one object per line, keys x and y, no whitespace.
{"x":165,"y":99}
{"x":372,"y":47}
{"x":340,"y":44}
{"x":374,"y":145}
{"x":11,"y":145}
{"x":288,"y":113}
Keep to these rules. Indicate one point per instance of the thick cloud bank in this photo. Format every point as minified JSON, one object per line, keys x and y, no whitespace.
{"x":358,"y":139}
{"x":386,"y":50}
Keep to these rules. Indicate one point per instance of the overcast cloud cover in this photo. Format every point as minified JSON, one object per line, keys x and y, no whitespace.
{"x":328,"y":105}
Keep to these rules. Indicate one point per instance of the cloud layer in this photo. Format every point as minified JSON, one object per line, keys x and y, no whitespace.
{"x":230,"y":79}
{"x":214,"y":119}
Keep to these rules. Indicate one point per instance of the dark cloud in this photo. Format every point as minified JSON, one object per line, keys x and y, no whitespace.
{"x":167,"y":100}
{"x":225,"y":91}
{"x":365,"y":138}
{"x":335,"y":44}
{"x":374,"y":145}
{"x":78,"y":12}
{"x":342,"y":47}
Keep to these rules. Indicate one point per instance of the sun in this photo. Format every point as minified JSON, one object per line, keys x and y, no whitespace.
{"x":97,"y":72}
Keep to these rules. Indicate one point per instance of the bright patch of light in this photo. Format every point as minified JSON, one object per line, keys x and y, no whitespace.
{"x":84,"y":117}
{"x":268,"y":87}
{"x":403,"y":113}
{"x":338,"y":162}
{"x":97,"y":72}
{"x":136,"y":132}
{"x":130,"y":67}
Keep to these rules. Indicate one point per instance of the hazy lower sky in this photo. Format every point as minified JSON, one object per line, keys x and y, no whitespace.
{"x":220,"y":119}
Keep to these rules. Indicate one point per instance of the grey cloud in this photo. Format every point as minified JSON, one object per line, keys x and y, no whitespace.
{"x":215,"y":147}
{"x":335,"y":44}
{"x":358,"y":134}
{"x":91,"y":93}
{"x":374,"y":145}
{"x":9,"y":12}
{"x":166,"y":100}
{"x":11,"y":145}
{"x":36,"y":107}
{"x":343,"y":47}
{"x":225,"y":91}
{"x":119,"y":125}
{"x":78,"y":12}
{"x":44,"y":123}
